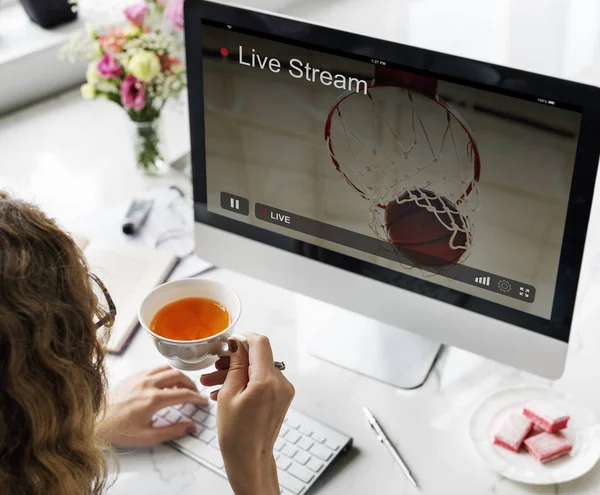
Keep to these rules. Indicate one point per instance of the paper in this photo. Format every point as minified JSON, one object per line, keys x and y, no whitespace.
{"x":170,"y":227}
{"x":170,"y":224}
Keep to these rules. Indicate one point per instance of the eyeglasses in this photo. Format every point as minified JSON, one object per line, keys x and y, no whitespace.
{"x":107,"y":311}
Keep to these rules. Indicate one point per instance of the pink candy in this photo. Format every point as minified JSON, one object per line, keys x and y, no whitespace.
{"x":513,"y":431}
{"x":548,"y":417}
{"x":546,"y":447}
{"x":538,"y":429}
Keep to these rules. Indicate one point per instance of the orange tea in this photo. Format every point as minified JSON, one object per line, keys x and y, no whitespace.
{"x":191,"y":318}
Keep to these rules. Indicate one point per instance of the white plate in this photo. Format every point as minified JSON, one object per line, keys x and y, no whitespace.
{"x":583,"y":431}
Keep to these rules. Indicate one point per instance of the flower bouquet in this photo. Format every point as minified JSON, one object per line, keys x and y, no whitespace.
{"x":139,"y":66}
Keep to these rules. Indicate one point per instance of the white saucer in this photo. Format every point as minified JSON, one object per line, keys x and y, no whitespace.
{"x":583,"y":431}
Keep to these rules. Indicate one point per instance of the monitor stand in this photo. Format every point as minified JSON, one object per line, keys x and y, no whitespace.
{"x":385,"y":353}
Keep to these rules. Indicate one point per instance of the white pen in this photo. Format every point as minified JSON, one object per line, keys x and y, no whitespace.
{"x":381,"y":436}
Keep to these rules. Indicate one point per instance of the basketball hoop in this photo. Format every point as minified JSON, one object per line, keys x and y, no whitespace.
{"x":413,"y":158}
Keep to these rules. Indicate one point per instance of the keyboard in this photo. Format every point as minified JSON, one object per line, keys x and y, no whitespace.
{"x":303,"y":451}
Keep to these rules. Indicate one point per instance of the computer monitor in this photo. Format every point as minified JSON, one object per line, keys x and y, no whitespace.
{"x":439,"y":196}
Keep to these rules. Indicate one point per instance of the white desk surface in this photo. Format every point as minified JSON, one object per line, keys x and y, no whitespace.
{"x":74,"y":158}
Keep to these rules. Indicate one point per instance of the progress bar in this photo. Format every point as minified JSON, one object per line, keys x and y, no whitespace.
{"x":484,"y":280}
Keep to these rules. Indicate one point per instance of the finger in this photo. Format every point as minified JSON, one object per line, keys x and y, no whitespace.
{"x":153,"y":371}
{"x":237,"y":376}
{"x":223,"y":363}
{"x":261,"y":356}
{"x":172,"y":378}
{"x":158,"y":369}
{"x":214,"y":378}
{"x":173,"y":396}
{"x":214,"y":395}
{"x":171,"y":432}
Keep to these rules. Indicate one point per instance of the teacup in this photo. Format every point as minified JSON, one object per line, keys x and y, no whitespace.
{"x":191,"y":355}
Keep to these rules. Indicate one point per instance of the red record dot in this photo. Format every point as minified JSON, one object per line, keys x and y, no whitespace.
{"x":224,"y":52}
{"x":264,"y":212}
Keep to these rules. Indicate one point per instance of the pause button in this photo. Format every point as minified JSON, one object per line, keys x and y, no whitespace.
{"x":234,"y":203}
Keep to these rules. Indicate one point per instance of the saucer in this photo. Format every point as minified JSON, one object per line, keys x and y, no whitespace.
{"x":583,"y":432}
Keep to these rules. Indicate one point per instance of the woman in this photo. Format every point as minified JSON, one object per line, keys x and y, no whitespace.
{"x":55,"y":422}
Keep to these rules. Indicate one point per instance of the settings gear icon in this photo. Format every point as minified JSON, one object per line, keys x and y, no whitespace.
{"x":504,"y":286}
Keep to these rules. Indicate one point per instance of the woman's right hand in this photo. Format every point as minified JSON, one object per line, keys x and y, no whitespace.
{"x":253,"y":402}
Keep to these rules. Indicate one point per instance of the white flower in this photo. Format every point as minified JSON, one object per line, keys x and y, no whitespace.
{"x":88,"y":92}
{"x":145,"y":65}
{"x":92,"y":74}
{"x":131,"y":31}
{"x":105,"y":86}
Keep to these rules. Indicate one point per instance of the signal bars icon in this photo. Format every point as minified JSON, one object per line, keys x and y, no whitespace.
{"x":482,"y":280}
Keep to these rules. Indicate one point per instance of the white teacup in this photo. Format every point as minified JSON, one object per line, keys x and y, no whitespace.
{"x":191,"y":355}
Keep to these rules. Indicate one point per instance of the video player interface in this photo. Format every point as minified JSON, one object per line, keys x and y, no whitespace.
{"x":455,"y":185}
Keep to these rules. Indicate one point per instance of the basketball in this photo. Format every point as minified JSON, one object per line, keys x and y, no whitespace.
{"x":420,"y":234}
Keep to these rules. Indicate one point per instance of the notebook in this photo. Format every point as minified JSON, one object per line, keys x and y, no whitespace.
{"x":129,"y":272}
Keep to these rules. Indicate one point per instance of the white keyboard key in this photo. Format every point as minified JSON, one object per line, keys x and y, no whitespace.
{"x":321,"y":452}
{"x":300,"y":472}
{"x":305,"y":443}
{"x":292,"y":436}
{"x":292,"y":424}
{"x":283,"y":463}
{"x":188,"y":410}
{"x":199,"y":416}
{"x":331,"y":444}
{"x":315,"y":464}
{"x":283,"y":491}
{"x":210,"y":422}
{"x":279,"y":443}
{"x":290,"y":483}
{"x":302,"y":457}
{"x":276,"y":455}
{"x":202,"y":450}
{"x":215,"y":444}
{"x":177,"y":406}
{"x":289,"y":450}
{"x":305,"y":431}
{"x":203,"y":410}
{"x":318,"y":438}
{"x":198,"y":432}
{"x":173,"y":416}
{"x":283,"y":431}
{"x":160,"y":422}
{"x":163,"y":412}
{"x":207,"y":436}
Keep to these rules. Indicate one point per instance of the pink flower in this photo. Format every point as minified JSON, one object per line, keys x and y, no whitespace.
{"x":108,"y":67}
{"x":136,"y":13}
{"x":174,"y":14}
{"x":133,"y":93}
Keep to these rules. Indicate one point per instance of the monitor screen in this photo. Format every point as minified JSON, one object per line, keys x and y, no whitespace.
{"x":459,"y":180}
{"x":460,"y":186}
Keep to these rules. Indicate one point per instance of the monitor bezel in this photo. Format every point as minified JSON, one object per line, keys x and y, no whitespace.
{"x":441,"y":65}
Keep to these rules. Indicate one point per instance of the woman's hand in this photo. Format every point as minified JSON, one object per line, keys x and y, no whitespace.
{"x":128,"y":420}
{"x":253,"y":402}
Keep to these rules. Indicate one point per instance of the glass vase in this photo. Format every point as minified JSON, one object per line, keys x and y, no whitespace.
{"x":149,"y":148}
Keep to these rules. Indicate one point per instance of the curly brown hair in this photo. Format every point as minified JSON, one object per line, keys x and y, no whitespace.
{"x":52,"y":376}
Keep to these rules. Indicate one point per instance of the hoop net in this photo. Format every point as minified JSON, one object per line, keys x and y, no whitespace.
{"x":396,"y":144}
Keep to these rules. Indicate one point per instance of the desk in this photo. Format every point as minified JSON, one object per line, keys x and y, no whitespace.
{"x":68,"y":152}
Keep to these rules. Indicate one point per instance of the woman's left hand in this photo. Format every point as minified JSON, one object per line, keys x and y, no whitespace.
{"x":134,"y":401}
